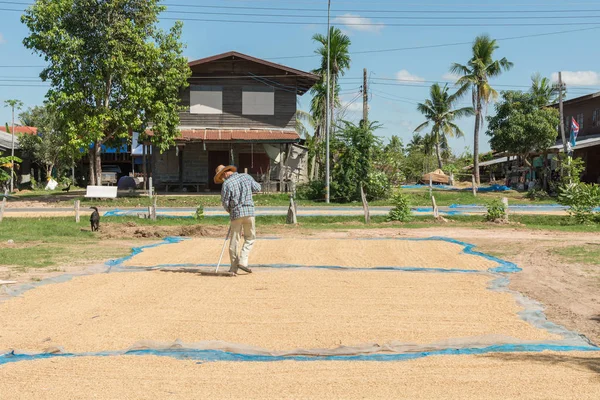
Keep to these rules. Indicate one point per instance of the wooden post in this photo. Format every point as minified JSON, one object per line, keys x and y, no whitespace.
{"x":150,"y":188}
{"x":245,"y":170}
{"x":77,"y":204}
{"x":153,"y":211}
{"x":2,"y":207}
{"x":436,"y":212}
{"x":474,"y":186}
{"x":430,"y":184}
{"x":365,"y":205}
{"x":292,"y":217}
{"x":505,"y":202}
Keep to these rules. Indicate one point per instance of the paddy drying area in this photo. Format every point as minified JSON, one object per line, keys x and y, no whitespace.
{"x":318,"y":318}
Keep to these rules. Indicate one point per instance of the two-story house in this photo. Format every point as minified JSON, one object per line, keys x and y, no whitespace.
{"x":586,"y":111}
{"x":239,"y":110}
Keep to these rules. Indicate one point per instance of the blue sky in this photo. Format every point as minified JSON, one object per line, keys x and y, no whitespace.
{"x":399,"y":79}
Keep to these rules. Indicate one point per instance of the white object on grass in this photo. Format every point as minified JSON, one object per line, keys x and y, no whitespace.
{"x":101,"y":192}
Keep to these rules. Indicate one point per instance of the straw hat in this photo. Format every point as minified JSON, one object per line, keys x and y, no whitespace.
{"x":220,"y":172}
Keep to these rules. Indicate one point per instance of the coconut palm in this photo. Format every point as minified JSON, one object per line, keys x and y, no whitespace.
{"x":440,"y":115}
{"x":475,"y":76}
{"x":302,"y":119}
{"x":339,"y":61}
{"x":543,"y":90}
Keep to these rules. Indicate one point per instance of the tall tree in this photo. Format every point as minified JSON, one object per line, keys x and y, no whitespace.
{"x":440,"y":115}
{"x":111,"y":70}
{"x":520,"y":126}
{"x":543,"y":91}
{"x":475,"y":75}
{"x":339,"y":61}
{"x":50,"y":146}
{"x":356,"y":148}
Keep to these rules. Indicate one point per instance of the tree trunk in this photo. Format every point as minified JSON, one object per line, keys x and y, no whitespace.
{"x":98,"y":162}
{"x":92,"y":162}
{"x":476,"y":142}
{"x":437,"y":153}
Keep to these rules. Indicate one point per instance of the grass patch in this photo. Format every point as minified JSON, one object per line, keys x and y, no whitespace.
{"x":417,"y":197}
{"x":586,"y":254}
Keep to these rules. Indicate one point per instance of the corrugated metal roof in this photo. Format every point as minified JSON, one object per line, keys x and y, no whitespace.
{"x":210,"y":135}
{"x":21,"y":129}
{"x":5,"y":141}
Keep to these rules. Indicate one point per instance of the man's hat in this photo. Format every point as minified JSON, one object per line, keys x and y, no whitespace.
{"x":220,"y":172}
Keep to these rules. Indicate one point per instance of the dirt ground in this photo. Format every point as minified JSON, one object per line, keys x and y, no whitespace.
{"x":491,"y":377}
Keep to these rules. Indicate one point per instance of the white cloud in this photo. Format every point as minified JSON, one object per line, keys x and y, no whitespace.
{"x":578,"y":78}
{"x":2,"y":39}
{"x":449,"y":76}
{"x":357,"y":23}
{"x":405,"y":76}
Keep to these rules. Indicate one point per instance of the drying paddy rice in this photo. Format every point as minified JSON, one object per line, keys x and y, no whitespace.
{"x":355,"y":253}
{"x":270,"y":309}
{"x":492,"y":377}
{"x":287,"y":311}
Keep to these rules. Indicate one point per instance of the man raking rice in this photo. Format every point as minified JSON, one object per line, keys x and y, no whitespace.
{"x":236,"y":197}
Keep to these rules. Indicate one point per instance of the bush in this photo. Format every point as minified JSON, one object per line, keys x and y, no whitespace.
{"x":401,"y":210}
{"x":581,"y":198}
{"x":378,"y":186}
{"x":496,"y":211}
{"x":314,"y":190}
{"x":199,"y":214}
{"x":537,"y":194}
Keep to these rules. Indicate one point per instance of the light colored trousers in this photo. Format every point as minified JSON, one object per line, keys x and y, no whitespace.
{"x":245,"y":224}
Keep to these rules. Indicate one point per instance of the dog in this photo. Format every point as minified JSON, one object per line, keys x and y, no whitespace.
{"x":67,"y":189}
{"x":95,"y":219}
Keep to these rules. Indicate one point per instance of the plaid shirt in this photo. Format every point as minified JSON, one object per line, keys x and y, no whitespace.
{"x":236,"y":195}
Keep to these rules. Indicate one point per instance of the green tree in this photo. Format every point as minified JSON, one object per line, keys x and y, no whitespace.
{"x":440,"y":115}
{"x":355,"y":149}
{"x":520,"y":126}
{"x":391,"y":161}
{"x":111,"y":70}
{"x":543,"y":91}
{"x":475,"y":75}
{"x":51,"y":146}
{"x":7,"y":169}
{"x":339,"y":62}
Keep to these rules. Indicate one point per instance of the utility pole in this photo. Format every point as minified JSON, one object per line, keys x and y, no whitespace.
{"x":327,"y":116}
{"x":13,"y":104}
{"x":562,"y":115}
{"x":365,"y":98}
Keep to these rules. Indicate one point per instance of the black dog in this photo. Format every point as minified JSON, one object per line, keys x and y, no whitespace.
{"x":95,"y":219}
{"x":67,"y":188}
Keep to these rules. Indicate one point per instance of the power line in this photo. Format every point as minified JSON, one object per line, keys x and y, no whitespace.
{"x":362,"y":11}
{"x":432,"y":46}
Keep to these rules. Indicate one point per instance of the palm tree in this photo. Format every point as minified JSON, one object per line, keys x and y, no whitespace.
{"x":415,"y":144}
{"x":440,"y":115}
{"x":543,"y":90}
{"x":475,"y":76}
{"x":302,"y":119}
{"x":339,"y":61}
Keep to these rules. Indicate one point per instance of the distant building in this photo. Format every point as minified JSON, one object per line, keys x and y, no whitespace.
{"x":239,"y":110}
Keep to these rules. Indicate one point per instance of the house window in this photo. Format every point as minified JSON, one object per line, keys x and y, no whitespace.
{"x":580,"y":121}
{"x":206,"y":99}
{"x":596,"y":118}
{"x":258,"y":101}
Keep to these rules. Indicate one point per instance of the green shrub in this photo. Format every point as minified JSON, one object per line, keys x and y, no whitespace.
{"x":378,"y":186}
{"x":401,"y":210}
{"x":314,"y":190}
{"x":496,"y":211}
{"x":581,"y":198}
{"x":199,"y":214}
{"x":537,"y":194}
